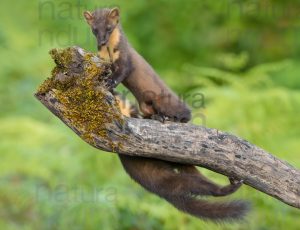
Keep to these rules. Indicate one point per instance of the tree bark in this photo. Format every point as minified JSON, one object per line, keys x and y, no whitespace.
{"x":183,"y":143}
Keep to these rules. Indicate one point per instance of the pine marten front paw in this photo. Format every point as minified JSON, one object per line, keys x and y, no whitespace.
{"x":163,"y":119}
{"x":171,"y":108}
{"x":164,"y":110}
{"x":110,"y":84}
{"x":160,"y":118}
{"x":175,"y":116}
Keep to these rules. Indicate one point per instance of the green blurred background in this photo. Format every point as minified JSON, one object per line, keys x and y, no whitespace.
{"x":244,"y":56}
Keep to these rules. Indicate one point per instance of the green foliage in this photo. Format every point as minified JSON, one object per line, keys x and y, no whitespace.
{"x":243,"y":56}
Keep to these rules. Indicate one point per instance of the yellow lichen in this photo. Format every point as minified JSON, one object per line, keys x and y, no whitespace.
{"x":86,"y":105}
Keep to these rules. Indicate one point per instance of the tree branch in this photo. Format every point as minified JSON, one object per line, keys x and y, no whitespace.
{"x":77,"y":95}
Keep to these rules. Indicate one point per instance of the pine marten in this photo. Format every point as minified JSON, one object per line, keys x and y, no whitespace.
{"x":178,"y":184}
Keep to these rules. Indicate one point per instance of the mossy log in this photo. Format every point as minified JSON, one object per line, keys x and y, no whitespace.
{"x":76,"y":94}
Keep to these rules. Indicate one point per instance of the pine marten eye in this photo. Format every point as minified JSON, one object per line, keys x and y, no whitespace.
{"x":109,"y":28}
{"x":95,"y":30}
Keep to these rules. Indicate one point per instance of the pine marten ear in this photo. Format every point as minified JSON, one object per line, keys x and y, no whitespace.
{"x":114,"y":15}
{"x":88,"y":17}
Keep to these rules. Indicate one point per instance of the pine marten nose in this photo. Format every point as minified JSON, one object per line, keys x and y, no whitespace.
{"x":101,"y":44}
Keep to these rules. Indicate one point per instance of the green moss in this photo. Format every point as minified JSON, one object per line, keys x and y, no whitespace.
{"x":62,"y":58}
{"x":82,"y":94}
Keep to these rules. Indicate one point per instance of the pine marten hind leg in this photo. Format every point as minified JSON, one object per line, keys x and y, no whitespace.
{"x":197,"y":184}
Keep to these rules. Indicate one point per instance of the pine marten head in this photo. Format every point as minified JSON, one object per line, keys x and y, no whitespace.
{"x":104,"y":24}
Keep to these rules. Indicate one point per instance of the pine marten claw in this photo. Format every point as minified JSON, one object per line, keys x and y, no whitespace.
{"x":234,"y":181}
{"x":163,"y":119}
{"x":110,"y":83}
{"x":160,"y":118}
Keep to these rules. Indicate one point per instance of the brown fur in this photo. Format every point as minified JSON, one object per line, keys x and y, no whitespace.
{"x":176,"y":183}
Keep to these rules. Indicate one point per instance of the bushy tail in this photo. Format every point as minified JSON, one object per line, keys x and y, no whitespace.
{"x":208,"y":210}
{"x":160,"y":178}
